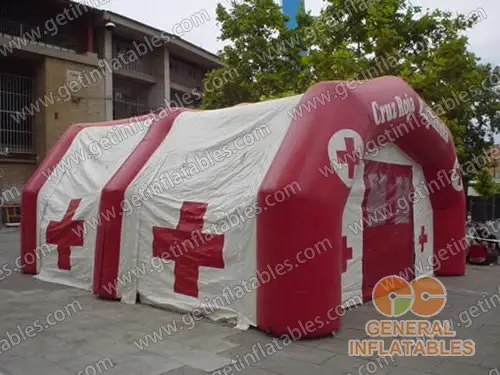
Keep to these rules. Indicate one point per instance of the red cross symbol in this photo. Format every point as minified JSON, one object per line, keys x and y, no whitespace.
{"x":64,"y":234}
{"x":349,"y":156}
{"x":188,"y":248}
{"x":422,"y":239}
{"x":346,"y":253}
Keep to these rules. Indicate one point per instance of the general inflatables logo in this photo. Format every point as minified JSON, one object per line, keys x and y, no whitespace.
{"x":425,"y":296}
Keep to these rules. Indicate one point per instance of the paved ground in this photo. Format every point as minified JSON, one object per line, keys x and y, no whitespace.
{"x":50,"y":329}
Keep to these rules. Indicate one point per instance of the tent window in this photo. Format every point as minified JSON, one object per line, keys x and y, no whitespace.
{"x":377,"y":199}
{"x":403,"y":192}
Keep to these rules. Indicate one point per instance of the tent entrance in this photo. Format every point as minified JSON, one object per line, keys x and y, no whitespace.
{"x":388,"y":223}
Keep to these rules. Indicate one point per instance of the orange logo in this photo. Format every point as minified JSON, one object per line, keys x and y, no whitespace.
{"x":425,"y":296}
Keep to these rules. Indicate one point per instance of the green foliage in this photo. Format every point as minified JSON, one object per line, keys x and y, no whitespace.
{"x":428,"y":49}
{"x":484,"y":184}
{"x":359,"y":40}
{"x":265,"y":55}
{"x":284,"y":94}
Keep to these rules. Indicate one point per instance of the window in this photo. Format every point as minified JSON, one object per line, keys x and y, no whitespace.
{"x":16,"y":126}
{"x":130,"y":98}
{"x":185,"y":73}
{"x":124,"y":50}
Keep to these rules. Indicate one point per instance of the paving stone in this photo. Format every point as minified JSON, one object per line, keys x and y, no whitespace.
{"x":275,"y":347}
{"x":149,"y":363}
{"x":167,"y":347}
{"x":33,"y":366}
{"x":109,"y":329}
{"x":40,"y":346}
{"x":346,"y":334}
{"x":110,"y":348}
{"x":239,"y":370}
{"x":484,"y":348}
{"x":202,"y":360}
{"x":345,"y":364}
{"x":491,"y":361}
{"x":186,"y":370}
{"x":215,"y":346}
{"x":306,"y":354}
{"x":231,"y":371}
{"x":330,"y":344}
{"x":287,"y":366}
{"x":449,"y":367}
{"x":405,"y":371}
{"x":12,"y":354}
{"x":75,"y":364}
{"x":238,"y":351}
{"x":122,"y":370}
{"x":68,"y":352}
{"x":249,"y":337}
{"x":378,"y":365}
{"x":425,"y":364}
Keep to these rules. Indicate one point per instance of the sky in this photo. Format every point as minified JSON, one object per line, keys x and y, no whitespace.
{"x":165,"y":15}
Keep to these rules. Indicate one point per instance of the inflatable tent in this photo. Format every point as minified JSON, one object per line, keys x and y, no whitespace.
{"x":274,"y":214}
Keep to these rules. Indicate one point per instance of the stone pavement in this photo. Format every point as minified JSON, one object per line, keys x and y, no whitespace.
{"x":47,"y":329}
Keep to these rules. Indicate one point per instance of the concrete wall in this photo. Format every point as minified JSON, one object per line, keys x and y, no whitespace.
{"x":87,"y":104}
{"x":158,"y":94}
{"x":13,"y":176}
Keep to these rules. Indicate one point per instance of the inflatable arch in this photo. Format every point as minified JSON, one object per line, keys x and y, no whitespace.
{"x":273,"y":214}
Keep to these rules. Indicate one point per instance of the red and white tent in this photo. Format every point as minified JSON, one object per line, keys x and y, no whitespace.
{"x":272,"y":214}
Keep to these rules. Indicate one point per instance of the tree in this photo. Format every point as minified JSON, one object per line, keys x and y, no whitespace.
{"x":360,"y":40}
{"x":427,"y":48}
{"x":262,"y":57}
{"x":484,"y":184}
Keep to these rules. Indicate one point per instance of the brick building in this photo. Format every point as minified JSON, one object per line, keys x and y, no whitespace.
{"x":63,"y":63}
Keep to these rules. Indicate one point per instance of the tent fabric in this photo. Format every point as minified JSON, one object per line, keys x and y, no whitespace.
{"x":79,"y":165}
{"x":270,"y":214}
{"x":221,"y":166}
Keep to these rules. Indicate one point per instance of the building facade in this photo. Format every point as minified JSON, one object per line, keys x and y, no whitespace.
{"x":63,"y":63}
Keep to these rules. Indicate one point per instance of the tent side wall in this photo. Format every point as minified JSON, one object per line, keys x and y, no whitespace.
{"x":30,"y":194}
{"x":307,"y":300}
{"x":112,"y":200}
{"x":32,"y":248}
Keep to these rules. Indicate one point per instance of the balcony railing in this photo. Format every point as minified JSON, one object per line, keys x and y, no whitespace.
{"x":125,"y":52}
{"x":185,"y":74}
{"x":140,"y":66}
{"x":25,"y":34}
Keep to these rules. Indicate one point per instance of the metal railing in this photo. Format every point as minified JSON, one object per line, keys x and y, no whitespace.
{"x":126,"y":52}
{"x":16,"y":127}
{"x":129,"y":99}
{"x":125,"y":109}
{"x":10,"y":28}
{"x":185,"y":74}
